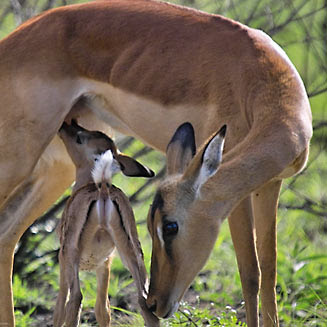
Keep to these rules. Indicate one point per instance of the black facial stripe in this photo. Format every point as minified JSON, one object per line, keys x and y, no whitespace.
{"x":169,"y":248}
{"x":157,"y":204}
{"x":168,"y":239}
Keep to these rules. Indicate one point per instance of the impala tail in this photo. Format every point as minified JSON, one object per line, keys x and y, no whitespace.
{"x":105,"y":166}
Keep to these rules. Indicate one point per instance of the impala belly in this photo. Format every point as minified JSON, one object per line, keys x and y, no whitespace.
{"x":55,"y":152}
{"x":96,"y":244}
{"x":133,"y":114}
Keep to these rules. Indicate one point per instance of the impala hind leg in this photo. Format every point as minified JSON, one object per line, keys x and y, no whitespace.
{"x":73,"y":306}
{"x":59,"y":312}
{"x":6,"y":302}
{"x":265,"y":201}
{"x":102,"y":305}
{"x":30,"y":200}
{"x":242,"y":231}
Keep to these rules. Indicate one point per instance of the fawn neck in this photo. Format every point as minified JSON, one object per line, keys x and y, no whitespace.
{"x":83,"y":177}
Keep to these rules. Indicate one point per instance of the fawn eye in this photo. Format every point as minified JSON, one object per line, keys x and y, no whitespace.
{"x":170,"y":228}
{"x":78,"y":139}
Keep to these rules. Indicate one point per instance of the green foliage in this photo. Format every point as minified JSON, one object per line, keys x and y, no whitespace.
{"x":24,"y":296}
{"x":215,"y":297}
{"x":24,"y":320}
{"x":25,"y":300}
{"x":194,"y":316}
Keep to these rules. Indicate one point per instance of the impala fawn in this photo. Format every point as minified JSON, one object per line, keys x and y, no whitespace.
{"x":97,"y":218}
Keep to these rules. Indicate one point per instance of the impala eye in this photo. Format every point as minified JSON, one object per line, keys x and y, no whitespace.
{"x":170,"y":228}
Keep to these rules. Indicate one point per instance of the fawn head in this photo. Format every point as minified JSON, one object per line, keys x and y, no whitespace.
{"x":85,"y":147}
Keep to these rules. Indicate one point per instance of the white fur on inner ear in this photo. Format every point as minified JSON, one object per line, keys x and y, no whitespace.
{"x":211,"y":160}
{"x":105,"y":167}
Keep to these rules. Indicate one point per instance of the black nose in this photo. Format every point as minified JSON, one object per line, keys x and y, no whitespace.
{"x":153,"y":306}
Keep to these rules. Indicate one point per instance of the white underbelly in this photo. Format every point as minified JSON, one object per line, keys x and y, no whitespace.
{"x":138,"y":116}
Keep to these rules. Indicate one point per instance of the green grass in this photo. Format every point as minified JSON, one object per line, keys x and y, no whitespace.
{"x":302,"y":284}
{"x":215,"y":298}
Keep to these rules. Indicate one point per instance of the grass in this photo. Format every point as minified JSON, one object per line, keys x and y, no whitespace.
{"x":215,"y":297}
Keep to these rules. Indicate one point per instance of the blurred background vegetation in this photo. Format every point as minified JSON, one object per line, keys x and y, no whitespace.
{"x":214,"y":299}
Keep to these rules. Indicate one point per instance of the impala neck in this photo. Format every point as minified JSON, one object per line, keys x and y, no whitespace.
{"x":239,"y":176}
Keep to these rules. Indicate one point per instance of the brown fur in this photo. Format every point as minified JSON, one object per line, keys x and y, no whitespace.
{"x":88,"y":240}
{"x":74,"y":229}
{"x":144,"y":67}
{"x":199,"y":211}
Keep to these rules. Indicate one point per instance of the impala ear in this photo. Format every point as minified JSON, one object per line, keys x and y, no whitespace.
{"x":206,"y":162}
{"x":132,"y":168}
{"x":211,"y":157}
{"x":181,"y":149}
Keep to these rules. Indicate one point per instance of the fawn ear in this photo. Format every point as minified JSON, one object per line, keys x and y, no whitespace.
{"x":132,"y":168}
{"x":181,"y":149}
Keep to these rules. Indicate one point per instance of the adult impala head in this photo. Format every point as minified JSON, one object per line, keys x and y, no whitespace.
{"x":181,"y":223}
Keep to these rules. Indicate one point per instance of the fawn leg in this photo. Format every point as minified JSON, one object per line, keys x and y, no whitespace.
{"x":102,"y":305}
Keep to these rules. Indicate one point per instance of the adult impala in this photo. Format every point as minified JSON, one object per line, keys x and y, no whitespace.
{"x":145,"y":67}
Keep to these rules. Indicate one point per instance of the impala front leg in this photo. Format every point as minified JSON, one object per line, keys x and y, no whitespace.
{"x":242,"y":231}
{"x":11,"y":228}
{"x":30,"y":200}
{"x":15,"y":218}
